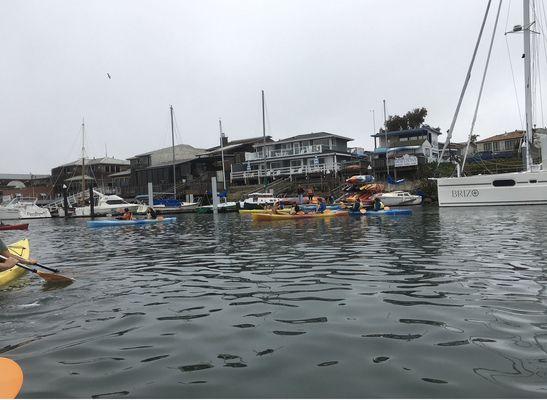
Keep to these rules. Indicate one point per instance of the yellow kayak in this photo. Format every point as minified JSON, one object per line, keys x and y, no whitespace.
{"x":284,"y":210}
{"x":22,"y":249}
{"x":272,"y":217}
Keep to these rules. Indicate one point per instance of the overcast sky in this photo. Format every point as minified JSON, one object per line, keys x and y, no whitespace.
{"x":322,"y":64}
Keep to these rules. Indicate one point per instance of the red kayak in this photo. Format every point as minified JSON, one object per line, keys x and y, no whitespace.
{"x":13,"y":227}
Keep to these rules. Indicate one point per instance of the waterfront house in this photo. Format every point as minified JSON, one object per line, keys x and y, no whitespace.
{"x":234,"y":153}
{"x":505,"y":145}
{"x":405,"y":150}
{"x":97,"y":171}
{"x":157,"y":167}
{"x":296,"y":156}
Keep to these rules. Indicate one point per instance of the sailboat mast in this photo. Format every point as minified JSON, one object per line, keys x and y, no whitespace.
{"x":83,"y":159}
{"x":264,"y":136}
{"x":173,"y":151}
{"x":526,"y":155}
{"x":222,"y":154}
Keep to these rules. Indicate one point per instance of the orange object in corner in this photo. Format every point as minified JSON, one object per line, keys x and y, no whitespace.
{"x":11,"y":378}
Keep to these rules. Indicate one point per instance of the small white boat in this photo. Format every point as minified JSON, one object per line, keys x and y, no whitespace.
{"x":7,"y":213}
{"x":106,"y":205}
{"x":400,"y":198}
{"x":25,"y":207}
{"x":257,"y":201}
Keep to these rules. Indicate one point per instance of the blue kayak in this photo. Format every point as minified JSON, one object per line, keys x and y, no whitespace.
{"x":119,"y":222}
{"x":382,"y":212}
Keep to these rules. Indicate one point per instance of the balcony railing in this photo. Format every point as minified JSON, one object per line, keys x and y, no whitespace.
{"x":284,"y":171}
{"x":314,"y":149}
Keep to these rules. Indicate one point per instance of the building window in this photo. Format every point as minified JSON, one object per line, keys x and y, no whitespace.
{"x":496,"y":146}
{"x":508,"y":145}
{"x":487,"y":146}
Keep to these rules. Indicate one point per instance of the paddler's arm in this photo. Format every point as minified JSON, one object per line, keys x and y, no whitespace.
{"x":31,"y":261}
{"x":8,"y":263}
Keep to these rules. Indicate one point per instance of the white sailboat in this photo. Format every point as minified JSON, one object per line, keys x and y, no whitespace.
{"x":519,"y":188}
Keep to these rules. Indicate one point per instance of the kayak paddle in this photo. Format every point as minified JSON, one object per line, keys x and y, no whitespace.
{"x":11,"y":378}
{"x":54,"y":278}
{"x":38,"y":264}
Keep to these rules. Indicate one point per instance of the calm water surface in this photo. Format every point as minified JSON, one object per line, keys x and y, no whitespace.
{"x":445,"y":303}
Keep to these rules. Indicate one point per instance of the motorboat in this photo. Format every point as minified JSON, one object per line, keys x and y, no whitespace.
{"x":229,"y":206}
{"x":169,"y":206}
{"x":105,"y":205}
{"x":8,"y":213}
{"x":400,"y":198}
{"x":23,"y":208}
{"x":257,"y":201}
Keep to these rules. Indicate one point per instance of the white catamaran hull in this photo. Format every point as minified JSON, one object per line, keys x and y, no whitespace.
{"x":519,"y":188}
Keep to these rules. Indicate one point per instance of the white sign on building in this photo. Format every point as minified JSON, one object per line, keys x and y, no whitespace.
{"x":406,"y":161}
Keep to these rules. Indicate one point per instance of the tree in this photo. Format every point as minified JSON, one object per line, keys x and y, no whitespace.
{"x":411,"y":120}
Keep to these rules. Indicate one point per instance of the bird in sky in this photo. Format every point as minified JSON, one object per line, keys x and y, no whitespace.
{"x":109,"y":77}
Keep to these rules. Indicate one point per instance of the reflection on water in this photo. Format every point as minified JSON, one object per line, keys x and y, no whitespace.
{"x":444,"y":303}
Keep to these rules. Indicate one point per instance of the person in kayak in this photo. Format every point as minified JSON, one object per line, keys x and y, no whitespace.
{"x":275,"y":208}
{"x":300,"y":191}
{"x":377,"y":205}
{"x":322,"y":207}
{"x":11,"y":259}
{"x":151,"y":213}
{"x":127,"y":215}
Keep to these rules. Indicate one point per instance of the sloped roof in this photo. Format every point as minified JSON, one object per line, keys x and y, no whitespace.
{"x":127,"y":172}
{"x":234,"y":144}
{"x":97,"y":161}
{"x":163,"y":156}
{"x":309,"y":136}
{"x":503,"y":136}
{"x":409,"y":132}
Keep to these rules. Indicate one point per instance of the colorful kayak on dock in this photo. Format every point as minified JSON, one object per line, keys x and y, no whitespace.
{"x":371,"y":213}
{"x":273,"y":217}
{"x":13,"y":227}
{"x":22,"y":249}
{"x":121,"y":222}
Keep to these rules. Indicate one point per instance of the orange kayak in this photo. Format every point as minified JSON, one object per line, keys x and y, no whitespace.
{"x":273,"y":217}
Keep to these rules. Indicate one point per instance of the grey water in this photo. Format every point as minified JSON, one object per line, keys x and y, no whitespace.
{"x":444,"y":303}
